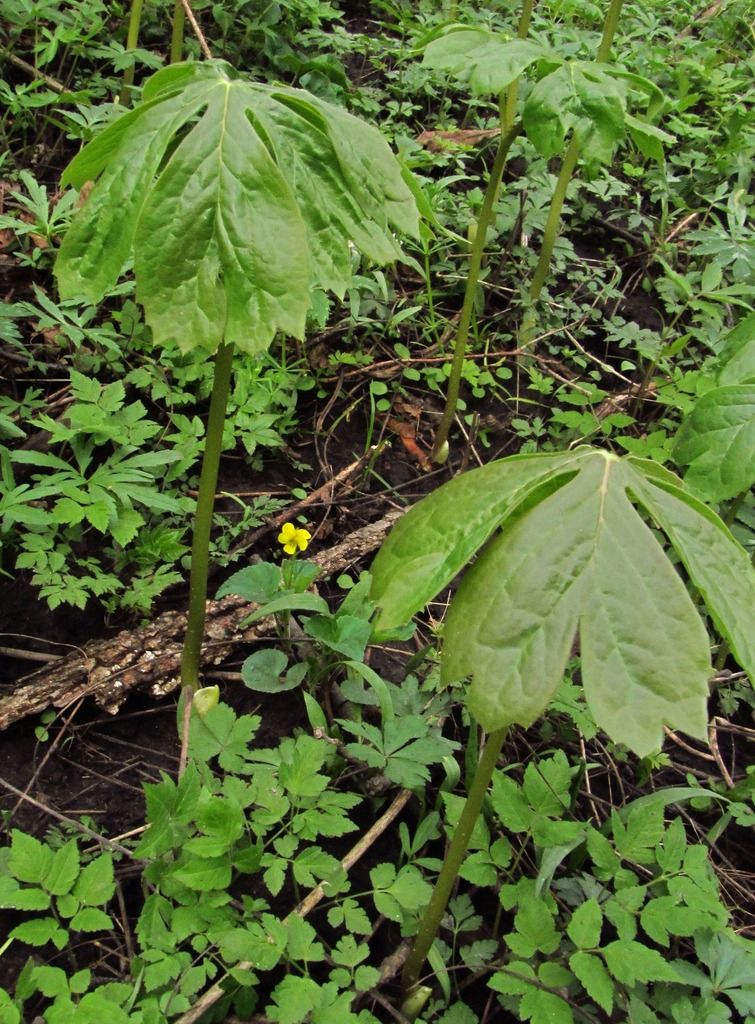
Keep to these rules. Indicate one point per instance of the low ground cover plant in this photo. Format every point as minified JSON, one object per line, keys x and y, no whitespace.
{"x":470,"y":815}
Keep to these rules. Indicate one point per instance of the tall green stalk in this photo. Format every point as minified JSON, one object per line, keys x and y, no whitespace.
{"x":446,"y":879}
{"x":509,"y":109}
{"x":440,"y":446}
{"x":132,"y":38}
{"x":177,"y":33}
{"x":568,"y":165}
{"x":553,"y":222}
{"x":200,"y":544}
{"x":609,"y":30}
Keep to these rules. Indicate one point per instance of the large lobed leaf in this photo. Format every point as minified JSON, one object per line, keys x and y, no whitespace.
{"x":583,"y":97}
{"x":483,"y":59}
{"x":577,"y":97}
{"x":574,"y":557}
{"x":717,"y":442}
{"x":737,"y":357}
{"x":438,"y":536}
{"x":235,"y":199}
{"x":717,"y":439}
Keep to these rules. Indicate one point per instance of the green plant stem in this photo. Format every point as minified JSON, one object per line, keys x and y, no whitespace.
{"x":446,"y":879}
{"x":203,"y":518}
{"x":177,"y":34}
{"x":473,"y":276}
{"x":550,"y":232}
{"x":508,"y":116}
{"x":609,"y":30}
{"x":568,"y":165}
{"x":132,"y":38}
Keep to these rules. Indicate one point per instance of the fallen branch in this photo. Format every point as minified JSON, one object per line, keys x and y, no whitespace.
{"x":149,"y":658}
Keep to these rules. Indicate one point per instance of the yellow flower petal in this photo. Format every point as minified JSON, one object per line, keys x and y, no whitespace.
{"x":302,"y":539}
{"x":293,"y":539}
{"x":287,"y":534}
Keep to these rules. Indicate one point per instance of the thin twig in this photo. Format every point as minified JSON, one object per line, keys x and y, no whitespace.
{"x":686,"y":746}
{"x":588,"y":783}
{"x":328,"y":488}
{"x":109,"y":843}
{"x":357,"y":851}
{"x":51,"y":83}
{"x":47,"y":755}
{"x":392,"y":1011}
{"x":713,"y":740}
{"x":127,"y":936}
{"x":206,"y":52}
{"x":308,"y":904}
{"x":22,"y":655}
{"x":682,"y":225}
{"x":741,"y":730}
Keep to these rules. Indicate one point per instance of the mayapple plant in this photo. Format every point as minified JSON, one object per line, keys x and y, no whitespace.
{"x":235,"y":201}
{"x":575,"y":108}
{"x":717,"y":439}
{"x":568,"y":547}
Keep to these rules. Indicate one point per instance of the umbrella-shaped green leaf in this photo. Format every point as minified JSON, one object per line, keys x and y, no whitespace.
{"x":484,"y":59}
{"x":576,"y":558}
{"x":236,"y":199}
{"x":438,"y":536}
{"x":737,"y":357}
{"x":568,"y":96}
{"x":578,"y":97}
{"x":717,"y":565}
{"x":717,"y":442}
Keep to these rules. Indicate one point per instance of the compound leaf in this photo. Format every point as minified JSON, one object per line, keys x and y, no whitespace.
{"x":717,"y":442}
{"x":582,"y":97}
{"x":581,"y":558}
{"x":236,"y":200}
{"x":574,"y":557}
{"x":436,"y":538}
{"x":484,"y":59}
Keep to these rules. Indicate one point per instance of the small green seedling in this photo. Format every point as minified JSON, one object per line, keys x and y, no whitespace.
{"x":235,"y":201}
{"x":568,"y":547}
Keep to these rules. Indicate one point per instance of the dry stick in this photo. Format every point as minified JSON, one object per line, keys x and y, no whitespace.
{"x":292,"y":510}
{"x":51,"y":83}
{"x":713,"y":741}
{"x":726,"y":726}
{"x":687,"y":746}
{"x":206,"y":52}
{"x":149,"y":656}
{"x":705,"y":15}
{"x":308,"y":904}
{"x":357,"y":851}
{"x":23,"y":655}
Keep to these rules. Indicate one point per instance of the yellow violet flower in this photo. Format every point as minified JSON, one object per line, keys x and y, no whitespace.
{"x":293,"y":540}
